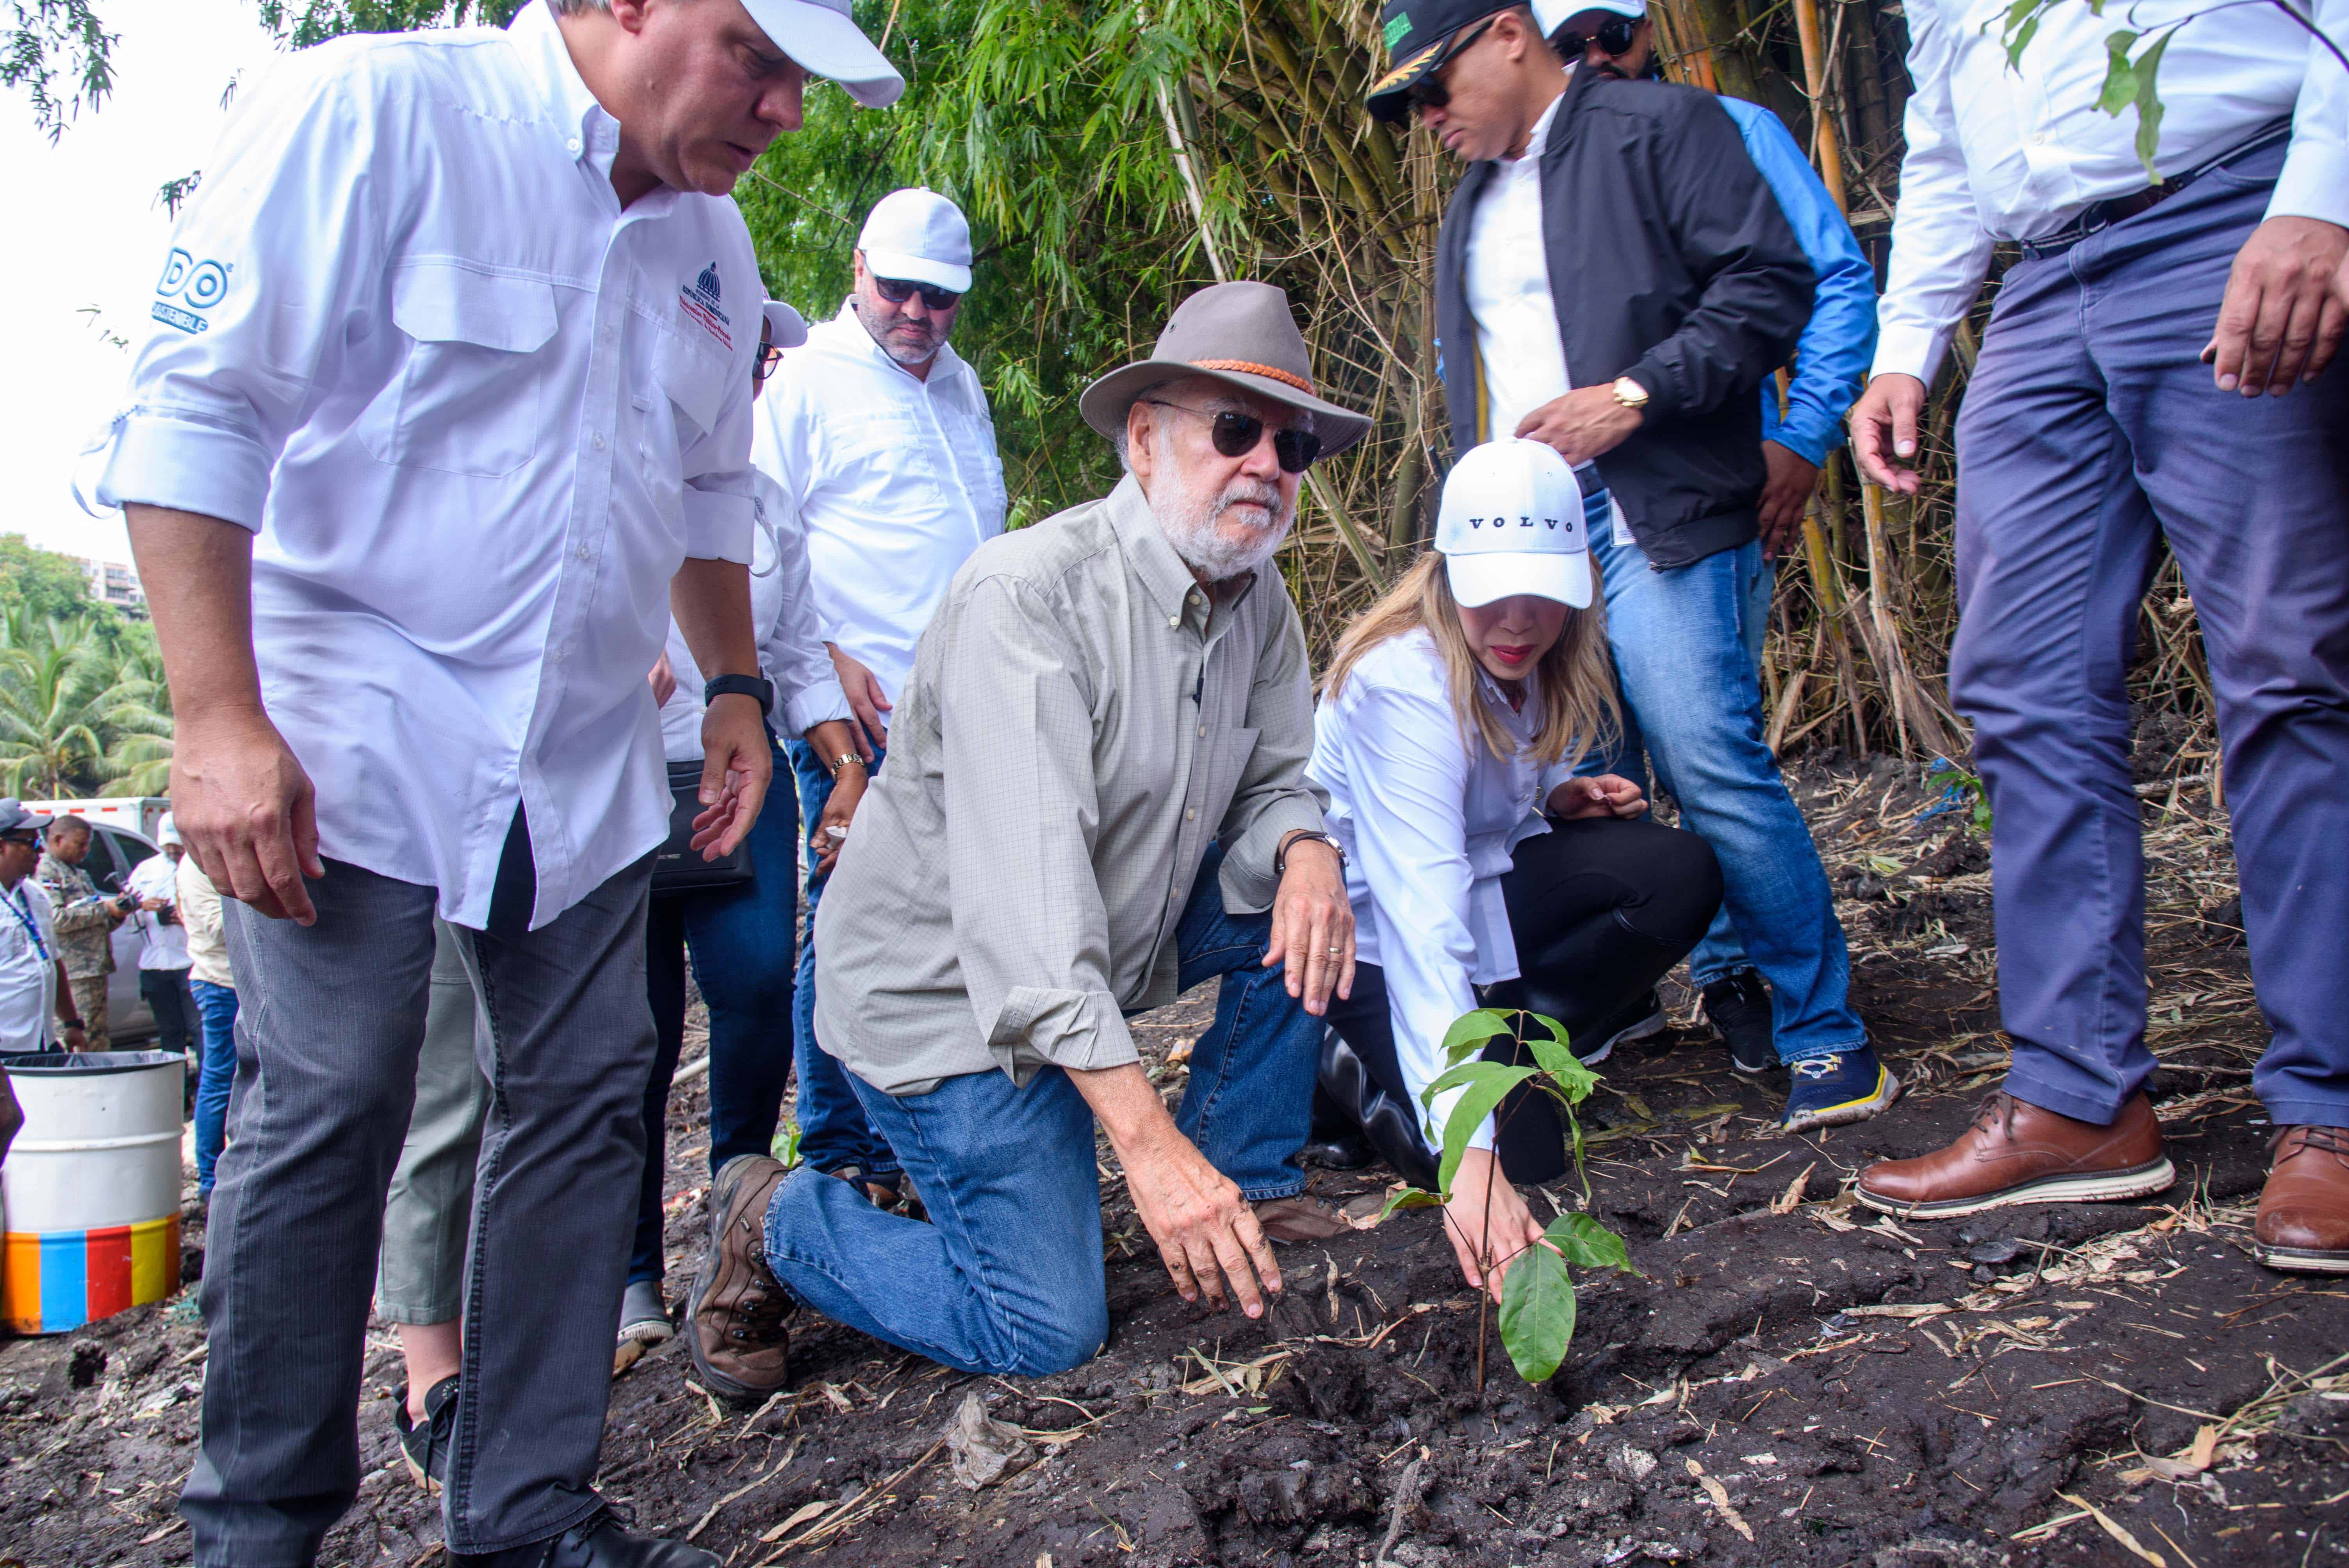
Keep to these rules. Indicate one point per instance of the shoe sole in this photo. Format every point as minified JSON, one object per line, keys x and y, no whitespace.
{"x":2301,"y":1259}
{"x":1887,"y":1089}
{"x":1653,"y":1024}
{"x":637,"y":1341}
{"x":716,"y":1382}
{"x":2099,"y":1187}
{"x":1741,"y":1068}
{"x":424,"y":1484}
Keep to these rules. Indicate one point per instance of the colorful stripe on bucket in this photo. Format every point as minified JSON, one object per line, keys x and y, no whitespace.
{"x":57,"y":1281}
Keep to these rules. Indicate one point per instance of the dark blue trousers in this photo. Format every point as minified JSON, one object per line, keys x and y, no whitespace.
{"x":2091,"y":432}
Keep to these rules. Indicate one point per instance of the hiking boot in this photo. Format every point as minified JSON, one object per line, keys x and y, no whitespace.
{"x":644,"y":1323}
{"x":602,"y":1540}
{"x":2303,"y":1221}
{"x":734,"y":1326}
{"x":2016,"y":1153}
{"x":1299,"y":1219}
{"x":1837,"y":1089}
{"x":426,"y":1444}
{"x":1339,"y":1150}
{"x":1737,"y":1005}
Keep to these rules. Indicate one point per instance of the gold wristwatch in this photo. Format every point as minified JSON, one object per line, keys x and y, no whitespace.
{"x":844,"y":759}
{"x":1629,"y":393}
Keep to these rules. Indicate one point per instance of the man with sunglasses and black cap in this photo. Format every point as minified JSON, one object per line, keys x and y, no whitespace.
{"x":1098,"y":800}
{"x":1616,"y":278}
{"x":879,"y":438}
{"x":33,"y":984}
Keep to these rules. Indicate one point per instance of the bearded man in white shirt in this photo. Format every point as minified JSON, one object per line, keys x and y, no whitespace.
{"x":448,"y":408}
{"x":878,"y":434}
{"x":2115,"y":404}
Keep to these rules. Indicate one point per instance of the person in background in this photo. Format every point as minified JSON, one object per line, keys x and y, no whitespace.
{"x":1616,"y":278}
{"x":33,"y":983}
{"x":738,"y":938}
{"x":212,"y":985}
{"x":1616,"y":37}
{"x":163,"y":961}
{"x":2148,"y":379}
{"x":1099,"y":793}
{"x":86,"y":918}
{"x":445,"y":416}
{"x":879,"y":441}
{"x":1482,"y":870}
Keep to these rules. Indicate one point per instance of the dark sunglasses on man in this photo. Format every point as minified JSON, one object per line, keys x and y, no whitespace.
{"x":769,"y":356}
{"x":1235,"y":434}
{"x":897,"y":291}
{"x":1613,"y":36}
{"x":1429,"y":91}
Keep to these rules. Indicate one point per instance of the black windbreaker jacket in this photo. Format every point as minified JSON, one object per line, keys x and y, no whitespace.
{"x":1671,"y":262}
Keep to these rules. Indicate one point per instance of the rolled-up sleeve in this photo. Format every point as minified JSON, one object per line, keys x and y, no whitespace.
{"x":1940,"y":252}
{"x":791,"y":650}
{"x":721,"y":509}
{"x":272,"y":265}
{"x":1022,"y":815}
{"x":1275,"y":798}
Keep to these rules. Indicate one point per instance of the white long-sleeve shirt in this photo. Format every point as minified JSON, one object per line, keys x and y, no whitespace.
{"x":790,"y":644}
{"x":479,"y":415}
{"x":166,"y":947}
{"x":2000,"y":153}
{"x":1428,"y":820}
{"x":896,"y":481}
{"x":28,"y":967}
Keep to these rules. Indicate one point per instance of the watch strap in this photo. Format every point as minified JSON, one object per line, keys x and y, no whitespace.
{"x":757,"y":688}
{"x":1280,"y":859}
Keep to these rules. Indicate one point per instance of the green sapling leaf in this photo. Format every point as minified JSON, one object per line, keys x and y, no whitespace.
{"x":1536,"y":1312}
{"x":2120,"y":76}
{"x":1487,"y":1088}
{"x":1585,"y":1241}
{"x":1469,"y":1032}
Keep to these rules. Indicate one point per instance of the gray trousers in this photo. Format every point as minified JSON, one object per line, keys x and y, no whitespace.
{"x":2090,"y":433}
{"x":330,"y":1022}
{"x":426,"y":1219}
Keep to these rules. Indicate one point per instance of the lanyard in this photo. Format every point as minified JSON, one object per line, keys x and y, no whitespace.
{"x":15,"y":902}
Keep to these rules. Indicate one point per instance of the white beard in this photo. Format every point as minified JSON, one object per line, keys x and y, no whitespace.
{"x":1191,"y":530}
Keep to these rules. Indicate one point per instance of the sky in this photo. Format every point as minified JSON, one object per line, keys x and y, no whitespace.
{"x":89,"y":233}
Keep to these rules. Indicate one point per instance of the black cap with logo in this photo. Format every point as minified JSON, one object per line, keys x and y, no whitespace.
{"x":1422,"y":36}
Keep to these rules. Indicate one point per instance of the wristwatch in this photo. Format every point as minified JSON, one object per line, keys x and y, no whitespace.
{"x":1280,"y":856}
{"x":756,"y":687}
{"x":1629,"y":393}
{"x":844,"y":758}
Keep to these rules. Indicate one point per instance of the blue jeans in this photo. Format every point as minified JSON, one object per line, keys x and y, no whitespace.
{"x":216,"y":1006}
{"x":1006,"y":1277}
{"x":2090,"y":436}
{"x":835,"y":1133}
{"x":1687,"y":645}
{"x":739,"y":941}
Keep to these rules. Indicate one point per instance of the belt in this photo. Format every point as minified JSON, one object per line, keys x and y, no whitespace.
{"x":2114,"y":210}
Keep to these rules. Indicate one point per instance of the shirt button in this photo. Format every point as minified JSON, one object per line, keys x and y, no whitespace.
{"x":1202,"y":732}
{"x":1174,"y":620}
{"x":583,"y":553}
{"x":1190,"y":816}
{"x":599,"y":443}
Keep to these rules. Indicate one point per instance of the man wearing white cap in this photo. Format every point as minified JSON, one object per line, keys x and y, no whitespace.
{"x":878,"y":433}
{"x":446,"y":411}
{"x":163,"y":958}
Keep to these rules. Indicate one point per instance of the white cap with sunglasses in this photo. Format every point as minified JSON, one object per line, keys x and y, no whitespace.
{"x":1550,"y":15}
{"x":1511,"y":523}
{"x":917,"y":236}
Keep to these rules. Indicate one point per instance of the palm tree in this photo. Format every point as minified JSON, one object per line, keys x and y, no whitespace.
{"x":138,"y":722}
{"x":54,"y":675}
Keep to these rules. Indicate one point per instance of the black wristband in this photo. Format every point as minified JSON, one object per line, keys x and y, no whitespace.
{"x":756,"y":687}
{"x":1281,"y":857}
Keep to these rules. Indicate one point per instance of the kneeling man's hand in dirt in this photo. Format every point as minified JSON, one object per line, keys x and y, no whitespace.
{"x":1207,"y":1235}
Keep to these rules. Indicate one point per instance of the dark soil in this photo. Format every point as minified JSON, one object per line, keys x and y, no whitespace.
{"x":1788,"y":1379}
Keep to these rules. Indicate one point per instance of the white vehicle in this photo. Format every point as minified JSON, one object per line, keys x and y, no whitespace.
{"x":122,"y":832}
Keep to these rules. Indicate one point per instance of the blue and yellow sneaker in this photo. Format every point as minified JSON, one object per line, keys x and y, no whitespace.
{"x":1838,"y":1088}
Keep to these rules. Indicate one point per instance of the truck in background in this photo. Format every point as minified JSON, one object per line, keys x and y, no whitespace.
{"x":142,"y":814}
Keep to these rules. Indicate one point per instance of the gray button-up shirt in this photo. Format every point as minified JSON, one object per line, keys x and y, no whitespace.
{"x":1082,"y":721}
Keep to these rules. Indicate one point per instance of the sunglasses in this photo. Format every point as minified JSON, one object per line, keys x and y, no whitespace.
{"x":1429,"y":91}
{"x":770,"y":356}
{"x":29,"y":840}
{"x":897,"y":291}
{"x":1613,"y":37}
{"x":1235,"y":434}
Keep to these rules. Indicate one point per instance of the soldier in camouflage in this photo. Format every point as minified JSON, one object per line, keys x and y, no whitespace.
{"x":86,"y":919}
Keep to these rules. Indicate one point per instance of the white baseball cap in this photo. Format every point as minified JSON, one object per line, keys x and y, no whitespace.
{"x":1511,"y":522}
{"x":786,"y":327}
{"x":167,"y":831}
{"x":1550,"y":15}
{"x":918,"y":235}
{"x":821,"y":36}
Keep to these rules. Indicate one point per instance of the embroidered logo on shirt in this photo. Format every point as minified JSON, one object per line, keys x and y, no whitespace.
{"x":203,"y":285}
{"x":700,"y":300}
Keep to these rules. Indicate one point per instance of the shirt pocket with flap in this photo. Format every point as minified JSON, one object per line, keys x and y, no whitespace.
{"x":467,"y":398}
{"x":694,"y":382}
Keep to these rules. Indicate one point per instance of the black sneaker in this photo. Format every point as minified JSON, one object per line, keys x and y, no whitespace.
{"x":426,"y":1444}
{"x":1737,"y":1005}
{"x":602,"y":1540}
{"x":1643,"y":1017}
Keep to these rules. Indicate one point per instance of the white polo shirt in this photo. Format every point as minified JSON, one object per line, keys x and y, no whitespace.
{"x":478,"y":415}
{"x":896,"y":481}
{"x":28,"y":967}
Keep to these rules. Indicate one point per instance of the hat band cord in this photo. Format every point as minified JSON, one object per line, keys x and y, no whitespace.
{"x":1249,"y":366}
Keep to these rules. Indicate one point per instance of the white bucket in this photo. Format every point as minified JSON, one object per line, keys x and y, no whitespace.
{"x":91,"y":1187}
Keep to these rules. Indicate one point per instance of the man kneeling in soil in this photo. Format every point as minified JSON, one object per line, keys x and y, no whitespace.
{"x":1096,"y":787}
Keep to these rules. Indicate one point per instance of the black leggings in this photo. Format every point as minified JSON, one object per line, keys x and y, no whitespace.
{"x":1600,"y":909}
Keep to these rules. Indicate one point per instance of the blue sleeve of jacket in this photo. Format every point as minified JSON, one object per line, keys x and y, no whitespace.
{"x":1835,"y":348}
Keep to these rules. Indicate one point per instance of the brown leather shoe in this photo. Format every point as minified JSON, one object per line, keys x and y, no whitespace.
{"x":2303,"y":1224}
{"x":1299,"y":1219}
{"x":2015,"y":1152}
{"x":735,"y":1324}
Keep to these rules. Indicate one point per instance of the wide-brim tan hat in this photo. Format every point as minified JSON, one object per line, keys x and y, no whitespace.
{"x":1238,"y":333}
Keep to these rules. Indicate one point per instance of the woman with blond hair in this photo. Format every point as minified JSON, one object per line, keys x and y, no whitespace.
{"x":1483,"y":870}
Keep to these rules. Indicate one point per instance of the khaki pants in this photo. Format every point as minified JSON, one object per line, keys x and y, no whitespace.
{"x":90,"y":1001}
